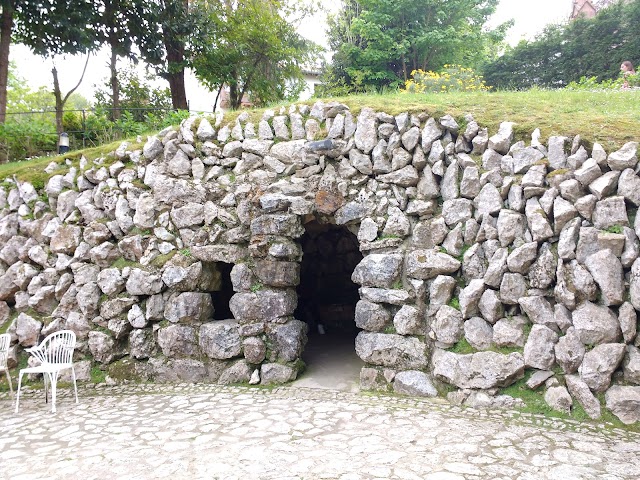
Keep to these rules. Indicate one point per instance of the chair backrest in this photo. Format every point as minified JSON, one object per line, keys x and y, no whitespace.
{"x":57,"y":347}
{"x":5,"y":340}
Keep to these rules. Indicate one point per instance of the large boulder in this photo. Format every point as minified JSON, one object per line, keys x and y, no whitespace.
{"x":427,"y":264}
{"x":414,"y":383}
{"x":378,"y":270}
{"x":278,"y":274}
{"x":287,"y":225}
{"x":287,"y":340}
{"x":189,"y":307}
{"x":448,"y":326}
{"x":28,"y":330}
{"x":220,"y":339}
{"x":569,"y":351}
{"x":599,"y":364}
{"x":265,"y":304}
{"x":372,"y":317}
{"x":581,"y":392}
{"x":482,"y":370}
{"x":478,"y":333}
{"x":101,"y":347}
{"x":624,"y":402}
{"x":178,"y":341}
{"x":596,"y":324}
{"x":606,"y":270}
{"x":389,"y":350}
{"x":539,"y":349}
{"x":66,"y":239}
{"x":141,"y":343}
{"x":409,"y":321}
{"x":559,"y":399}
{"x":142,"y":282}
{"x":276,"y":373}
{"x":632,"y":365}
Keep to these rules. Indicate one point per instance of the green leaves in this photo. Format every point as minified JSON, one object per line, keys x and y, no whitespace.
{"x":564,"y":53}
{"x":250,"y":47}
{"x":380,"y":42}
{"x":51,"y":27}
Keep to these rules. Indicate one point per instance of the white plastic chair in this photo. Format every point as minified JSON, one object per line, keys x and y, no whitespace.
{"x":55,"y":354}
{"x":5,"y":340}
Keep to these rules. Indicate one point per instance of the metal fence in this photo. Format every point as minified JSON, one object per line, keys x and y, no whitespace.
{"x":33,"y":133}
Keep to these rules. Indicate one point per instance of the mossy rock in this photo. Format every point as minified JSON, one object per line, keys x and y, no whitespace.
{"x":124,"y":369}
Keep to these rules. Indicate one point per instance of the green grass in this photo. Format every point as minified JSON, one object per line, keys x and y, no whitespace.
{"x":33,"y":172}
{"x":123,"y":262}
{"x":608,"y":117}
{"x":462,"y":347}
{"x":454,"y":303}
{"x":614,"y":229}
{"x":98,"y":375}
{"x":535,"y":404}
{"x":162,"y":259}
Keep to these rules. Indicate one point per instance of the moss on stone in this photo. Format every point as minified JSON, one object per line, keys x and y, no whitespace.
{"x":123,"y":370}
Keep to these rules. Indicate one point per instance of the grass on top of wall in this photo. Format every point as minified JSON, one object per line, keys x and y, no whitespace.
{"x":610,"y":118}
{"x":32,"y":170}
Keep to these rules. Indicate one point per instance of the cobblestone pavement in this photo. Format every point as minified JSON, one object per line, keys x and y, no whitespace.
{"x":216,"y":432}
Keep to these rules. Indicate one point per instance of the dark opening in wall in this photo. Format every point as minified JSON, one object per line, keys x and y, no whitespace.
{"x":326,"y":295}
{"x":221,"y":297}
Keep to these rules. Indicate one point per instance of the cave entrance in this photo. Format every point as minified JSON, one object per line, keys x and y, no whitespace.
{"x":222,"y":297}
{"x":326,"y":302}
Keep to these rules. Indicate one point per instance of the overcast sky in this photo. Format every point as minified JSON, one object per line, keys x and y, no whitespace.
{"x":530,"y":18}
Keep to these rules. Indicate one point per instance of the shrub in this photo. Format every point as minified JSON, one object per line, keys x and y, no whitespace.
{"x":453,"y":78}
{"x":22,"y":140}
{"x":591,"y":83}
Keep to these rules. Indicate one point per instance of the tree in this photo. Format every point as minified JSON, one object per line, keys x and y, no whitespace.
{"x":138,"y":96}
{"x":164,"y":27}
{"x":54,"y":27}
{"x":21,"y":98}
{"x":379,"y":43}
{"x":117,"y":24}
{"x":250,"y":47}
{"x":565,"y":53}
{"x":6,"y":27}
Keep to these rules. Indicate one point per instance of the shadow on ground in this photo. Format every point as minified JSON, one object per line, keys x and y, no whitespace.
{"x":331,"y":363}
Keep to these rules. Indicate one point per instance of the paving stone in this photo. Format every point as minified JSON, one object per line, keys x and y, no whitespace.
{"x":184,"y":431}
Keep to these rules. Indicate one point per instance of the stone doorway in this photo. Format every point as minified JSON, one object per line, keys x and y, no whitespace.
{"x":327,"y":299}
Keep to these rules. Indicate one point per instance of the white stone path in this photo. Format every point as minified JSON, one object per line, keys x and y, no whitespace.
{"x":215,"y":432}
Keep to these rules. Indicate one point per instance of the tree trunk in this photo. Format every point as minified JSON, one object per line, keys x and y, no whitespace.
{"x":178,"y":93}
{"x":58,"y":94}
{"x":175,"y":67}
{"x":6,"y":25}
{"x":115,"y":85}
{"x":234,"y":101}
{"x":59,"y":103}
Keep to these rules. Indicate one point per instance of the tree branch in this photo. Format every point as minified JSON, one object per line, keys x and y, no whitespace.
{"x":79,"y":81}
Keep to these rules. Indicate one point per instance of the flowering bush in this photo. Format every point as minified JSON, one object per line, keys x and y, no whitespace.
{"x":452,"y":78}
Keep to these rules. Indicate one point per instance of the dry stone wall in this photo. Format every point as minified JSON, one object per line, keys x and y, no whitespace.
{"x":485,"y":259}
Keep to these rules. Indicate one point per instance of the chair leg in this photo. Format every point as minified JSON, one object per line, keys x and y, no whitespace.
{"x":9,"y":380}
{"x":18,"y":394}
{"x":54,"y":379}
{"x":46,"y":389}
{"x":75,"y":388}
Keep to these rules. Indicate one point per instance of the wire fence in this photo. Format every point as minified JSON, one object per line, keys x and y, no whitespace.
{"x":29,"y":134}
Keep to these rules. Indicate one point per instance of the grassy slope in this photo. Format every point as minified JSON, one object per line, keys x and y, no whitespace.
{"x":610,"y":118}
{"x":33,"y":170}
